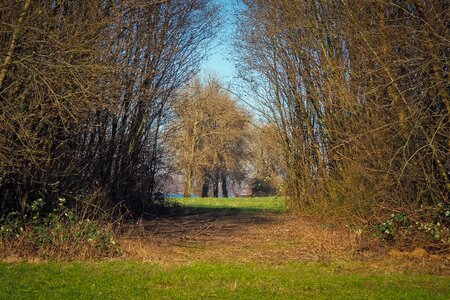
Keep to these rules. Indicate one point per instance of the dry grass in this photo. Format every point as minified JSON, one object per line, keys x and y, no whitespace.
{"x":234,"y":237}
{"x":240,"y":236}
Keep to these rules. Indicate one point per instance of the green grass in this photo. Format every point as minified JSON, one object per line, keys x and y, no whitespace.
{"x":268,"y":204}
{"x":132,"y":280}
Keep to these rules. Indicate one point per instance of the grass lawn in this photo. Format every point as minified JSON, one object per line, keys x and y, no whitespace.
{"x":131,"y":280}
{"x":267,"y":204}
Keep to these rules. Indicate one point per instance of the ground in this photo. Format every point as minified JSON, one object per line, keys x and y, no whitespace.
{"x":236,"y":249}
{"x":234,"y":230}
{"x":259,"y":230}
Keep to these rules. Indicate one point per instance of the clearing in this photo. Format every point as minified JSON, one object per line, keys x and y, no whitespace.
{"x":238,"y":248}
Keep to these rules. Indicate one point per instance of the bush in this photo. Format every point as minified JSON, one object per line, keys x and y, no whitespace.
{"x":263,"y":187}
{"x":60,"y":234}
{"x":428,"y":227}
{"x":388,"y":230}
{"x":160,"y":205}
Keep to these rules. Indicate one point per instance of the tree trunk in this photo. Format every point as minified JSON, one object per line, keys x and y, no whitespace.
{"x":188,"y":183}
{"x":224,"y":186}
{"x":205,"y":188}
{"x":12,"y":45}
{"x":216,"y":188}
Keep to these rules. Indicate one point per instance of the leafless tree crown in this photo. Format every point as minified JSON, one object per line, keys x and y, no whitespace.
{"x":358,"y":91}
{"x":84,"y":91}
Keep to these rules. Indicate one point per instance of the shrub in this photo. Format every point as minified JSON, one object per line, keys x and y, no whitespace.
{"x":60,"y":234}
{"x":428,"y":227}
{"x":160,"y":205}
{"x":389,"y":229}
{"x":263,"y":187}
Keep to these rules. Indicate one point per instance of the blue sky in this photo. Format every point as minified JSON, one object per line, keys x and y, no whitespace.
{"x":219,"y":62}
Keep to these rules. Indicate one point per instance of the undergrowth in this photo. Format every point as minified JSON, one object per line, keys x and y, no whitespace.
{"x":427,"y":227}
{"x":405,"y":228}
{"x":62,"y":233}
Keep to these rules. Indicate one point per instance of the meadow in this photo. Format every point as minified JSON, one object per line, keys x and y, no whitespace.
{"x":256,"y":204}
{"x":237,"y":248}
{"x":133,"y":280}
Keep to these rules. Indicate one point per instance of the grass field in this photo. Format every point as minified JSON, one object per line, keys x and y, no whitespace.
{"x":131,"y":280}
{"x":267,"y":204}
{"x":238,"y":248}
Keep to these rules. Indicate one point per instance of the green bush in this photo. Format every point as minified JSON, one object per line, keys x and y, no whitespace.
{"x":389,"y":229}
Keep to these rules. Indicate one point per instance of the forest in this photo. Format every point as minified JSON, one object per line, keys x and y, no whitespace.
{"x":339,"y":110}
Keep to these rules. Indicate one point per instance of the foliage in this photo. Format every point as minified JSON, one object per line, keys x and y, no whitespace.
{"x":434,"y":223}
{"x":388,"y":229}
{"x":263,"y":187}
{"x":429,"y":227}
{"x":59,"y":234}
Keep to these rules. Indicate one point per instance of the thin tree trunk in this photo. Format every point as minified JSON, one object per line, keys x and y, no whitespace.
{"x":12,"y":46}
{"x":216,"y":188}
{"x":188,"y":183}
{"x":205,"y":188}
{"x":224,"y":186}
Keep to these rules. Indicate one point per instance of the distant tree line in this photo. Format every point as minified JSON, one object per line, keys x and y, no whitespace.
{"x":85,"y":90}
{"x":359,"y":94}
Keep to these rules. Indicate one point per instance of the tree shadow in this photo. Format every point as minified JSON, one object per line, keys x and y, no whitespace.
{"x":202,"y":221}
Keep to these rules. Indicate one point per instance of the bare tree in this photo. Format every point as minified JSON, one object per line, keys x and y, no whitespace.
{"x":267,"y":165}
{"x":211,"y":138}
{"x":84,"y":93}
{"x":357,"y":91}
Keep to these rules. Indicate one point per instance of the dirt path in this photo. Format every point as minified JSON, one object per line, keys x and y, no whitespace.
{"x":235,"y":235}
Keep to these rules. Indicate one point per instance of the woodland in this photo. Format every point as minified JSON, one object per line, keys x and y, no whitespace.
{"x":342,"y":111}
